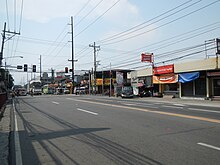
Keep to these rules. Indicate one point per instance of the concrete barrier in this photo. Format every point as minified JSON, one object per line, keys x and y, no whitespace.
{"x":3,"y":99}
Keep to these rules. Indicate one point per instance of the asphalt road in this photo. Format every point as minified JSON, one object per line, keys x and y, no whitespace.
{"x":94,"y":130}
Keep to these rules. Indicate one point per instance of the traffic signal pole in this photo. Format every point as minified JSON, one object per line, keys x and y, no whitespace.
{"x":72,"y":60}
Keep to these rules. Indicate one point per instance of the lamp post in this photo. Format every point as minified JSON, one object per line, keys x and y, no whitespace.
{"x":11,"y":57}
{"x":6,"y":65}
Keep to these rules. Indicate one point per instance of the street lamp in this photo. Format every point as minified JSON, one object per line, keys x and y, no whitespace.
{"x":6,"y":65}
{"x":11,"y":57}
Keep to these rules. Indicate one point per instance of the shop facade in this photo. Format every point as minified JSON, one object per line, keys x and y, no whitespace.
{"x":189,"y":79}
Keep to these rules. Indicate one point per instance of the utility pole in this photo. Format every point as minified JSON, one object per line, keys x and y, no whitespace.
{"x":3,"y":42}
{"x":110,"y":84}
{"x":72,"y":36}
{"x":40,"y":68}
{"x":96,"y":48}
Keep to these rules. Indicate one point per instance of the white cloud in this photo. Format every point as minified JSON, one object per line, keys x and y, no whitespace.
{"x":45,"y":10}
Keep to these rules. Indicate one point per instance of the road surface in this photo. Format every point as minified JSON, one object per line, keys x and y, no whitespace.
{"x":69,"y":129}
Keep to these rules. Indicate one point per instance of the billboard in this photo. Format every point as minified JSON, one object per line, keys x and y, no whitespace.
{"x":164,"y":69}
{"x":147,"y":57}
{"x":165,"y":79}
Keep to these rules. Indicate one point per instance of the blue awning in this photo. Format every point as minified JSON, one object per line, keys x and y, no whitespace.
{"x":187,"y":77}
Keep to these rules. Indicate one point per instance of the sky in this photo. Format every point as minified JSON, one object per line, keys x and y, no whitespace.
{"x":173,"y":31}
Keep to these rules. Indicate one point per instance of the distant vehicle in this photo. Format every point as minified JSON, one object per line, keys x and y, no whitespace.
{"x":80,"y":90}
{"x":66,"y":91}
{"x":48,"y":90}
{"x":127,"y":92}
{"x":22,"y":92}
{"x":35,"y":87}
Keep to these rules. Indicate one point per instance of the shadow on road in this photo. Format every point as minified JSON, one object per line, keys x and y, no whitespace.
{"x":116,"y":152}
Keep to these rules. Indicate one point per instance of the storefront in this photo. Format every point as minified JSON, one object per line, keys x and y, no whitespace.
{"x":165,"y":79}
{"x":192,"y":84}
{"x":214,"y":77}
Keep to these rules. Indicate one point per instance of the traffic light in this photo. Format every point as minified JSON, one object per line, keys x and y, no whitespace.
{"x":218,"y":45}
{"x":66,"y":69}
{"x":71,"y":70}
{"x":34,"y":68}
{"x":25,"y":67}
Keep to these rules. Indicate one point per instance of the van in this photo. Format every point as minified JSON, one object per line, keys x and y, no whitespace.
{"x":127,"y":92}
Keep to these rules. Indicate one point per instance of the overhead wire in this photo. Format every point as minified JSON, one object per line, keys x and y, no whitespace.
{"x":84,"y":6}
{"x":89,"y":13}
{"x":164,"y":54}
{"x":174,"y":20}
{"x":97,"y":19}
{"x":21,"y":14}
{"x":139,"y":26}
{"x":15,"y":15}
{"x":6,"y":5}
{"x":168,"y":41}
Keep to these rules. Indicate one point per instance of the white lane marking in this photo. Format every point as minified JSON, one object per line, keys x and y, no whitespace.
{"x":55,"y":102}
{"x":203,"y":110}
{"x":18,"y":156}
{"x":181,"y":105}
{"x":167,"y":106}
{"x":128,"y":104}
{"x":83,"y":110}
{"x":209,"y":146}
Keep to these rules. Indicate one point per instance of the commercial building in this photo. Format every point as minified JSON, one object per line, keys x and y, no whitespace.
{"x":191,"y":79}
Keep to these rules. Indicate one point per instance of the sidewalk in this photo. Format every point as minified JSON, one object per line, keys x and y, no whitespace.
{"x":186,"y":101}
{"x":4,"y":135}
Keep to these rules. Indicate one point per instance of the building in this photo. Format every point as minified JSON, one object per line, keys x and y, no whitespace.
{"x":191,"y":79}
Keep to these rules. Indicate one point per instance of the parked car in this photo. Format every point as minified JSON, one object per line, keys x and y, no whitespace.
{"x":127,"y":92}
{"x":145,"y":94}
{"x":22,"y":92}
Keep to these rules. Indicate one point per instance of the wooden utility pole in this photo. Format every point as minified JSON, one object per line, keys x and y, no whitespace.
{"x":96,"y":48}
{"x":3,"y":41}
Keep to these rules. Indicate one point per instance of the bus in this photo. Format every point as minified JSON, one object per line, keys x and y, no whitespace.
{"x":35,"y":87}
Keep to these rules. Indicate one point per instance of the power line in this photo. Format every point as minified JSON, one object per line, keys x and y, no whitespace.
{"x":169,"y":43}
{"x":97,"y":18}
{"x":82,"y":8}
{"x":22,"y":7}
{"x":88,"y":13}
{"x":7,"y":14}
{"x":133,"y":29}
{"x":14,"y":15}
{"x":165,"y":54}
{"x":174,"y":20}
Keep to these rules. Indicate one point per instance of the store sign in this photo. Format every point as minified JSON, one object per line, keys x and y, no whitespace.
{"x":165,"y":79}
{"x":210,"y":74}
{"x":164,"y":69}
{"x":147,"y":57}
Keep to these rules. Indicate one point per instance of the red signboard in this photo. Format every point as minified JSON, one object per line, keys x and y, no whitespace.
{"x":146,"y":57}
{"x":164,"y":69}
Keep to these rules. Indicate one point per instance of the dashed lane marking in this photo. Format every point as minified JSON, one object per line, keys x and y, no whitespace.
{"x":209,"y":146}
{"x":203,"y":110}
{"x":146,"y":110}
{"x":55,"y":102}
{"x":83,"y":110}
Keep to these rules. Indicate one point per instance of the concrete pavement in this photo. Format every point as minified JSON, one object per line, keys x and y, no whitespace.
{"x":6,"y":119}
{"x":4,"y":135}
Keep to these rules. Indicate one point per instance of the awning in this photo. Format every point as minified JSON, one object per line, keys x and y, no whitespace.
{"x":187,"y":77}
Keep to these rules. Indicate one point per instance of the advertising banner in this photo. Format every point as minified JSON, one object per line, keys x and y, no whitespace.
{"x":119,"y":78}
{"x":165,"y":79}
{"x":146,"y":57}
{"x":164,"y":69}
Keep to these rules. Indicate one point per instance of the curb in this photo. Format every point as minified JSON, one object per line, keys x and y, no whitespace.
{"x":5,"y":134}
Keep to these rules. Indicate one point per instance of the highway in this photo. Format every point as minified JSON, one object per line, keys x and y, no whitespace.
{"x":87,"y":130}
